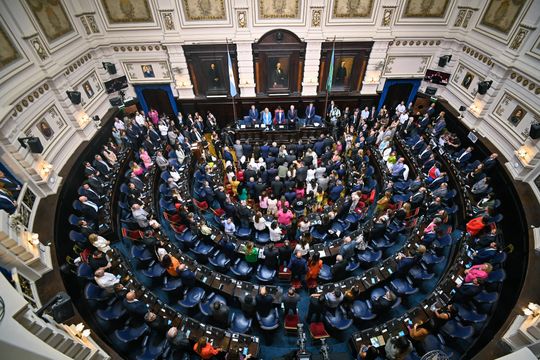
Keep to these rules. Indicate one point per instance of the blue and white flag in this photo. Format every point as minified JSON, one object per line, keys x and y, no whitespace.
{"x":232,"y":85}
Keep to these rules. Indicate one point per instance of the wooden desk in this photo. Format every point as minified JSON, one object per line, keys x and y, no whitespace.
{"x":306,"y":134}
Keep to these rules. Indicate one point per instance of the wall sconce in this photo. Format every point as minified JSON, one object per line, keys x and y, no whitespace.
{"x":522,"y":153}
{"x":34,"y":239}
{"x":532,"y":309}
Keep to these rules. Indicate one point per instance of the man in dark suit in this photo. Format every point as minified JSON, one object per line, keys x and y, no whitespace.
{"x":264,"y":302}
{"x":101,"y":165}
{"x":265,"y":150}
{"x":279,"y":78}
{"x":463,"y":156}
{"x":247,"y":149}
{"x":310,"y":114}
{"x":134,"y":306}
{"x":279,"y":117}
{"x":418,"y":198}
{"x":338,"y":270}
{"x":292,"y":117}
{"x":301,"y":173}
{"x":9,"y":184}
{"x":220,"y":314}
{"x":7,"y":203}
{"x":335,"y":191}
{"x":277,"y":187}
{"x":271,"y":257}
{"x":490,"y":161}
{"x":253,"y":114}
{"x":93,"y":196}
{"x":88,"y":208}
{"x":187,"y":276}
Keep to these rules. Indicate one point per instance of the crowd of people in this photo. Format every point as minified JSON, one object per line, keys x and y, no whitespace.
{"x":267,"y":193}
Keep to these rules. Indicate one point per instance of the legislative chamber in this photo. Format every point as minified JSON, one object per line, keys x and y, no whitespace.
{"x":269,"y":179}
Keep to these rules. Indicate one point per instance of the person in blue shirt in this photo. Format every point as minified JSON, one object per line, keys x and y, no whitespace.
{"x":266,"y":118}
{"x":335,"y":191}
{"x":298,"y":266}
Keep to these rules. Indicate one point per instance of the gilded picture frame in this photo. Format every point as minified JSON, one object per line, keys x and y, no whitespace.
{"x":426,"y":8}
{"x":127,"y":11}
{"x":201,"y":10}
{"x":501,"y":15}
{"x":279,"y":9}
{"x":352,"y":9}
{"x":51,"y":17}
{"x":8,"y":51}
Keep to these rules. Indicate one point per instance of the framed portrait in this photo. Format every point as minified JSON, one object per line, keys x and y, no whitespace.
{"x":127,"y":11}
{"x":8,"y":51}
{"x":45,"y":129}
{"x":278,"y":73}
{"x":87,"y":87}
{"x":342,"y":72}
{"x":148,"y":71}
{"x":517,"y":115}
{"x":467,"y":80}
{"x":51,"y":18}
{"x":501,"y":15}
{"x":215,"y":80}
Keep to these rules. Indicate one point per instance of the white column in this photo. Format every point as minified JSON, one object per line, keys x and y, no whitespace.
{"x":246,"y":83}
{"x":182,"y":82}
{"x":375,"y":65}
{"x":310,"y":81}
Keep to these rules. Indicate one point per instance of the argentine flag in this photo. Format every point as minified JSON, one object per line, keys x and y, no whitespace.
{"x":232,"y":85}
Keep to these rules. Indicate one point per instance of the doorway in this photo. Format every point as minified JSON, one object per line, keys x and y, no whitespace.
{"x":158,"y":97}
{"x":396,"y":91}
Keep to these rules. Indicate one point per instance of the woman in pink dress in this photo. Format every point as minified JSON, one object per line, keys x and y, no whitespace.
{"x":480,"y":271}
{"x":147,"y":161}
{"x":136,"y":169}
{"x":154,"y":116}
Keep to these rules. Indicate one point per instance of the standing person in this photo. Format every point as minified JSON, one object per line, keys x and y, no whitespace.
{"x":251,"y":253}
{"x":298,"y":266}
{"x":316,"y":308}
{"x":290,"y":302}
{"x":154,"y":116}
{"x":314,"y":268}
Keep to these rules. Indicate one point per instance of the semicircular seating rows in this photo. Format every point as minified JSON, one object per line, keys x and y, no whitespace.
{"x":396,"y":230}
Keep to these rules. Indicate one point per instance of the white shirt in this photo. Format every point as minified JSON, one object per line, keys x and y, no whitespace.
{"x":310,"y":175}
{"x":119,"y":124}
{"x":101,"y":244}
{"x":139,"y":119}
{"x":275,"y":234}
{"x":403,"y":118}
{"x":364,"y":114}
{"x":304,"y":251}
{"x":107,"y":281}
{"x":401,"y":108}
{"x":163,"y":129}
{"x":259,"y":226}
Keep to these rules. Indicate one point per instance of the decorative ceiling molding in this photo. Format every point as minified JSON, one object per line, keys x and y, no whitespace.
{"x":77,"y":63}
{"x":139,"y":47}
{"x":525,"y":81}
{"x":415,"y":42}
{"x":27,"y":99}
{"x":480,"y":56}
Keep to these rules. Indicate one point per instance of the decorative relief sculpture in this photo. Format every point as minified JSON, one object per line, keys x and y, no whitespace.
{"x":518,"y":39}
{"x":168,"y":21}
{"x":38,"y":47}
{"x":92,"y":23}
{"x":316,"y":17}
{"x":460,"y":17}
{"x":387,"y":17}
{"x":242,"y":19}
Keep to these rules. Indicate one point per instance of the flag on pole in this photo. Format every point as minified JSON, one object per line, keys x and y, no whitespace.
{"x":232,"y":84}
{"x":330,"y":71}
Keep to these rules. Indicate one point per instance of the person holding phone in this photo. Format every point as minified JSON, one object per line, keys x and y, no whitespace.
{"x":368,"y":352}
